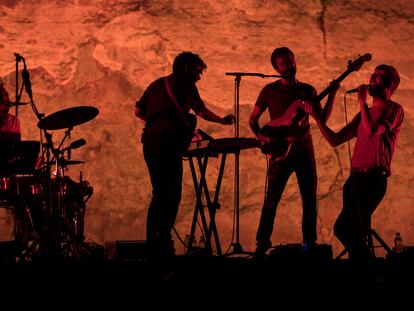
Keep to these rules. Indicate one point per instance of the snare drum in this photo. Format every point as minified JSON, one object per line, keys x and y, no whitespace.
{"x":19,"y":187}
{"x":27,"y":187}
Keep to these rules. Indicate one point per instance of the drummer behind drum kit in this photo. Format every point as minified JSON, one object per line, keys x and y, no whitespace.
{"x":48,"y":209}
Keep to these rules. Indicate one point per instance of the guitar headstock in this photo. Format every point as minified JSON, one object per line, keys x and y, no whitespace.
{"x":357,"y":64}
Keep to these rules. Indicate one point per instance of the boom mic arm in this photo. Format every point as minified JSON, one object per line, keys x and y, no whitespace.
{"x":252,"y":74}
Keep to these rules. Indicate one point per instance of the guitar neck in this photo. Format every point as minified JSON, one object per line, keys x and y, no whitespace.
{"x":338,"y":80}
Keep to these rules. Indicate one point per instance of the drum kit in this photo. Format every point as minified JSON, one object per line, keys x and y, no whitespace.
{"x":48,"y":207}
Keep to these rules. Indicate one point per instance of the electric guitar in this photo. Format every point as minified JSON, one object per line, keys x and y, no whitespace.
{"x":284,"y":131}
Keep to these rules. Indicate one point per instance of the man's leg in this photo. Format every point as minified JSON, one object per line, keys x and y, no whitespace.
{"x":307,"y":181}
{"x":165,"y":169}
{"x":279,"y":173}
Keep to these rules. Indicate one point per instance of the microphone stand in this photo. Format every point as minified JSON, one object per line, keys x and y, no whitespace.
{"x":18,"y":93}
{"x":52,"y":230}
{"x":237,"y":248}
{"x":17,"y":84}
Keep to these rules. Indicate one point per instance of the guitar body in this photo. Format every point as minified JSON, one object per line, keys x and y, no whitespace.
{"x":187,"y":126}
{"x":186,"y":132}
{"x":284,"y":131}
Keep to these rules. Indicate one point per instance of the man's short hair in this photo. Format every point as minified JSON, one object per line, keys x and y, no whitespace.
{"x":282,"y":51}
{"x":391,"y":76}
{"x":188,"y":59}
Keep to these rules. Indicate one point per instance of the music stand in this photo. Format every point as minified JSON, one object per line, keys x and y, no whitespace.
{"x":237,"y":248}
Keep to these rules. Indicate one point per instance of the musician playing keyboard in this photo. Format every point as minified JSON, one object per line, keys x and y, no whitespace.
{"x":164,"y":108}
{"x":280,"y":98}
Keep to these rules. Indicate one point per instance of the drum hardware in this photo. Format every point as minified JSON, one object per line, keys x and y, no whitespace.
{"x":50,"y":207}
{"x":64,"y":163}
{"x":66,"y":197}
{"x":11,"y":104}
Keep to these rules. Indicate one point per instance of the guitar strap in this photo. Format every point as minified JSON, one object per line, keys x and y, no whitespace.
{"x":174,"y":100}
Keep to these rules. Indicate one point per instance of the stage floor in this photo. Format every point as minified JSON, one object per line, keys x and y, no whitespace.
{"x":199,"y":282}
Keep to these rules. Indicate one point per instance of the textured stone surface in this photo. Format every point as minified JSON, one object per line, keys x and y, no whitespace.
{"x":104,"y":53}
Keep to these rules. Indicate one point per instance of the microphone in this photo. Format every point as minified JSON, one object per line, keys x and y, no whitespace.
{"x":355,"y":90}
{"x":26,"y":81}
{"x":252,"y":74}
{"x":75,"y":145}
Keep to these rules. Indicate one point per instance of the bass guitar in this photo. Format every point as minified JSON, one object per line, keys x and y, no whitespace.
{"x":284,"y":131}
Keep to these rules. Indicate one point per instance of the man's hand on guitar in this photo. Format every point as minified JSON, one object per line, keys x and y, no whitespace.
{"x":309,"y":108}
{"x":334,"y":87}
{"x":263,"y":139}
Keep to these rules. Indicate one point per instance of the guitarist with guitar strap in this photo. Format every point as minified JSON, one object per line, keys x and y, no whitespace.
{"x":287,"y":140}
{"x":169,"y":127}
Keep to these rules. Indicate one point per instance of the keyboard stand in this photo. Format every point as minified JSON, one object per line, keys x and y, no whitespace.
{"x":215,"y":148}
{"x":201,"y":188}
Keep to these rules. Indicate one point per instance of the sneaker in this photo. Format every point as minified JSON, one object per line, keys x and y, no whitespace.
{"x":309,"y":247}
{"x":260,"y":252}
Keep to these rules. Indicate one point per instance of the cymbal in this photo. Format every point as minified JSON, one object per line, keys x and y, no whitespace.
{"x":68,"y":118}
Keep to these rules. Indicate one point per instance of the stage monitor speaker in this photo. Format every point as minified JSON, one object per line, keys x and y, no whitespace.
{"x":127,"y":249}
{"x":297,"y":251}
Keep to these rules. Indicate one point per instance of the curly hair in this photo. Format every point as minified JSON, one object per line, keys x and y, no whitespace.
{"x":187,"y":59}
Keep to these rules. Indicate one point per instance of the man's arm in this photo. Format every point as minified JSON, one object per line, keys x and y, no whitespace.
{"x":209,"y":115}
{"x":201,"y":110}
{"x":369,"y":126}
{"x":327,"y":109}
{"x":333,"y":138}
{"x":254,"y":124}
{"x":254,"y":120}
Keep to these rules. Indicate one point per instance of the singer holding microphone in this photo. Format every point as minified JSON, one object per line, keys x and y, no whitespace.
{"x":9,"y":124}
{"x":376,"y":129}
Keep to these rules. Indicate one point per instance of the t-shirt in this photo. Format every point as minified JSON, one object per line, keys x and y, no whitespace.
{"x":277,"y":98}
{"x":161,"y":114}
{"x":376,"y":151}
{"x":9,"y":128}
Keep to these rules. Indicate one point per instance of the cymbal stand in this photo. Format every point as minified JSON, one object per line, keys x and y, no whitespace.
{"x":237,"y":248}
{"x":70,"y":244}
